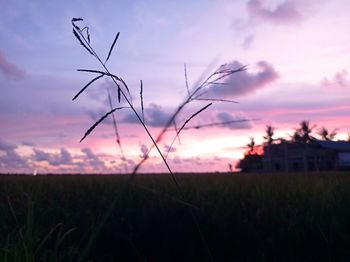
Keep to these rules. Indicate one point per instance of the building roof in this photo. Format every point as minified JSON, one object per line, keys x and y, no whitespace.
{"x":342,"y":146}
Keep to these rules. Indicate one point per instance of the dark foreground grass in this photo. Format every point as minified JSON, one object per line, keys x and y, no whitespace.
{"x":294,"y":217}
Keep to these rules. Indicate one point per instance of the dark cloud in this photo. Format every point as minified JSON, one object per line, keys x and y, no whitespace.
{"x":240,"y":122}
{"x":10,"y":158}
{"x":13,"y":160}
{"x":130,"y":118}
{"x":27,"y":143}
{"x":341,"y":79}
{"x":155,"y":116}
{"x":96,"y":115}
{"x":287,"y":11}
{"x":144,"y":150}
{"x":54,"y":159}
{"x":5,"y":146}
{"x":244,"y":83}
{"x":169,"y":149}
{"x":9,"y":69}
{"x":93,"y":160}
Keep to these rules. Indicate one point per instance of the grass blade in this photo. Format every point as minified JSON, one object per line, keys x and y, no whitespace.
{"x":86,"y":86}
{"x":76,"y":20}
{"x":141,"y":97}
{"x":184,"y":124}
{"x":98,"y":122}
{"x":127,"y":89}
{"x":216,"y":100}
{"x":88,"y":34}
{"x":119,"y":94}
{"x":81,"y":41}
{"x":186,"y":81}
{"x":99,"y":72}
{"x":192,"y":116}
{"x":112,"y":46}
{"x":219,"y":123}
{"x":116,"y":132}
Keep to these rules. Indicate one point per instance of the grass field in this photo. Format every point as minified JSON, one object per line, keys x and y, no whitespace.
{"x":294,"y":217}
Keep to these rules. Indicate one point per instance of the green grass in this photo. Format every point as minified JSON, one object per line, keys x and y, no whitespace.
{"x":294,"y":217}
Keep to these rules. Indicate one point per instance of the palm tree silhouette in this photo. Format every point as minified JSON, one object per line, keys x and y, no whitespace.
{"x":303,"y":133}
{"x":251,"y":145}
{"x":326,"y":135}
{"x":270,"y":131}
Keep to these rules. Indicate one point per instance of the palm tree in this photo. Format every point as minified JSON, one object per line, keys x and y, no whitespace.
{"x":251,"y":145}
{"x":296,"y":136}
{"x":326,"y":135}
{"x":270,"y":131}
{"x":303,"y":135}
{"x":304,"y":131}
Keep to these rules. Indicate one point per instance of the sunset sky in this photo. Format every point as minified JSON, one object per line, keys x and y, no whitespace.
{"x":297,"y":54}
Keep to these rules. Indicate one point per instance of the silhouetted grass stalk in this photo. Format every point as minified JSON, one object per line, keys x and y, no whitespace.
{"x":196,"y":94}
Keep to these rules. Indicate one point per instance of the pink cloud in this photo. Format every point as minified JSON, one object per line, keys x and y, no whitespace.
{"x":340,"y":80}
{"x":286,"y":12}
{"x":9,"y":69}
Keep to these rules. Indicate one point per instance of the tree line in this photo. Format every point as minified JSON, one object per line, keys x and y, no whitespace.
{"x":302,"y":134}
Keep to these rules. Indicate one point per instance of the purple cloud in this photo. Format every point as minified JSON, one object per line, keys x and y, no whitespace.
{"x":248,"y":42}
{"x":61,"y":158}
{"x":10,"y":158}
{"x":244,"y":83}
{"x":341,"y":79}
{"x":155,"y":116}
{"x":286,"y":12}
{"x":240,"y":122}
{"x":27,"y":143}
{"x":96,"y":115}
{"x":169,"y":149}
{"x":144,"y":150}
{"x":93,"y":160}
{"x":5,"y":146}
{"x":9,"y":69}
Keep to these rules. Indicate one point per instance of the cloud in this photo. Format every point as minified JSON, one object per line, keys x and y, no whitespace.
{"x":5,"y":146}
{"x":240,"y":122}
{"x":169,"y":149}
{"x":54,"y":159}
{"x":144,"y":150}
{"x":340,"y":80}
{"x":155,"y":116}
{"x":65,"y":162}
{"x":10,"y":158}
{"x":93,"y":160}
{"x":244,"y":83}
{"x":96,"y":115}
{"x":248,"y":42}
{"x":286,"y":12}
{"x":27,"y":143}
{"x":9,"y":69}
